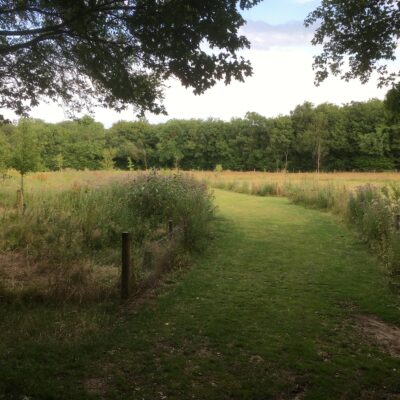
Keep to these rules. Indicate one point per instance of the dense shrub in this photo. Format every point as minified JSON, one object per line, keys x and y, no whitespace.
{"x":154,"y":199}
{"x":372,"y":211}
{"x":376,"y":163}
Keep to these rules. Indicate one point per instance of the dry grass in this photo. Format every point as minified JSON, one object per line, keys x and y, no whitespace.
{"x":59,"y":181}
{"x":281,"y":179}
{"x":62,"y":180}
{"x":80,"y":281}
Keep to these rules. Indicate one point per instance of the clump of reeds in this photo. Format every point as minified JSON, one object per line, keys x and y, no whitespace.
{"x":374,"y":212}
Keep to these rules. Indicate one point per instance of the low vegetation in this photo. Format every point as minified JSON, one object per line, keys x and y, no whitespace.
{"x":372,"y":210}
{"x":71,"y":236}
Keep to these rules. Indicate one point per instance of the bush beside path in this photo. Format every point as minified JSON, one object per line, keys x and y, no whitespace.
{"x":285,"y":304}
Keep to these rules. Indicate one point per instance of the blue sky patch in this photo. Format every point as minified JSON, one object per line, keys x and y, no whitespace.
{"x":281,"y":11}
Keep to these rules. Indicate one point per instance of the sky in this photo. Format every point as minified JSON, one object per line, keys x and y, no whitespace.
{"x":281,"y":56}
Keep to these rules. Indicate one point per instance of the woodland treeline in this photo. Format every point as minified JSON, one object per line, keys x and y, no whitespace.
{"x":363,"y":136}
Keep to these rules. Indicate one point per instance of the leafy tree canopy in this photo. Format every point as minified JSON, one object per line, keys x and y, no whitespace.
{"x":392,"y":102}
{"x":366,"y":32}
{"x":117,"y":52}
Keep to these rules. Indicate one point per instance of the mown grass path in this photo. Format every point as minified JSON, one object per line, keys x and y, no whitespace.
{"x":268,"y":313}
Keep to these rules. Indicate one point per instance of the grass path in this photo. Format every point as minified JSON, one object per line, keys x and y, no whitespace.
{"x":268,"y":313}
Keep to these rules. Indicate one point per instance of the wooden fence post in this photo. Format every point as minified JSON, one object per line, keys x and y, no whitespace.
{"x":20,"y":201}
{"x":126,"y":259}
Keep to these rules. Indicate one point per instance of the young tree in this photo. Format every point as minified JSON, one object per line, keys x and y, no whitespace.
{"x":26,"y":150}
{"x":59,"y":161}
{"x":131,"y":165}
{"x":311,"y":127}
{"x":317,"y":137}
{"x":108,"y":162}
{"x":302,"y":117}
{"x":117,"y":52}
{"x":256,"y":135}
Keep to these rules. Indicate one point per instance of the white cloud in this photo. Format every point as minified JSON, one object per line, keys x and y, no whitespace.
{"x":264,"y":36}
{"x":282,"y":79}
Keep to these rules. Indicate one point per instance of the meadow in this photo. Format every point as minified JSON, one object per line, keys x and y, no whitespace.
{"x":284,"y":303}
{"x":67,"y":242}
{"x":256,"y":181}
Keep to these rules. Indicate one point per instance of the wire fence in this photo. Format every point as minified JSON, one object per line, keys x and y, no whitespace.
{"x":150,"y":262}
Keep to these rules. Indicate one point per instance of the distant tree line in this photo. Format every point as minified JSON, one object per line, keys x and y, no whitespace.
{"x":362,"y":136}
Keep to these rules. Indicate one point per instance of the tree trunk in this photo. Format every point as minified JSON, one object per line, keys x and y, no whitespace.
{"x":21,"y":200}
{"x":286,"y":160}
{"x":318,"y":158}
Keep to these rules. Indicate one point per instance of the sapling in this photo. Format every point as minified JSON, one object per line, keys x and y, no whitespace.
{"x":26,"y":153}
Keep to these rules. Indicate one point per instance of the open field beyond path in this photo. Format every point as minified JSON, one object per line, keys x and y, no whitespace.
{"x":285,"y":304}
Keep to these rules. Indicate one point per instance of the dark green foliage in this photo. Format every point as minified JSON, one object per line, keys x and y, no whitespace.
{"x":80,"y":143}
{"x":136,"y":140}
{"x":363,"y":136}
{"x":378,"y":163}
{"x":392,"y":103}
{"x":367,"y":32}
{"x":116,"y":52}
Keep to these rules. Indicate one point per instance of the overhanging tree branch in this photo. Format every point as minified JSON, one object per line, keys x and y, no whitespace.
{"x":117,"y":50}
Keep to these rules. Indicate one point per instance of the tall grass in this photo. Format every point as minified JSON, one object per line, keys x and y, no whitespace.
{"x":372,"y":211}
{"x":73,"y":234}
{"x":155,"y":199}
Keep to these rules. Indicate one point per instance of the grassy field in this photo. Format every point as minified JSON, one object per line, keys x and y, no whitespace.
{"x":256,"y":179}
{"x":79,"y":205}
{"x":285,"y":304}
{"x":57,"y":181}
